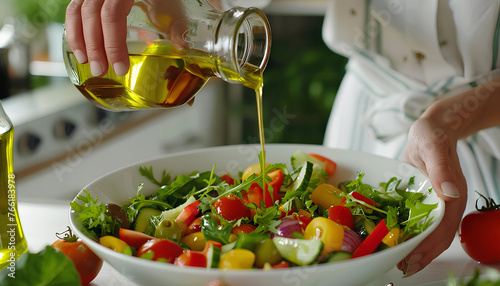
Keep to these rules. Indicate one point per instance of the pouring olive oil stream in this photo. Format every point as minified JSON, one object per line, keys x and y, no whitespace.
{"x":233,"y":45}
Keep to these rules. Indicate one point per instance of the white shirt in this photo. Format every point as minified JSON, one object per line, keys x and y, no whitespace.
{"x":405,"y":55}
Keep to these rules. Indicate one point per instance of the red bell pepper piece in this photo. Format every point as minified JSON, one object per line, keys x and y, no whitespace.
{"x":363,"y":198}
{"x":372,"y":241}
{"x":341,"y":215}
{"x":276,"y":182}
{"x":187,"y":216}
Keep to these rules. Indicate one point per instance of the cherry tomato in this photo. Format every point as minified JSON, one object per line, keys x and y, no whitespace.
{"x":133,"y":238}
{"x":228,"y":179}
{"x":160,"y":249}
{"x":86,"y":262}
{"x":480,"y":233}
{"x":251,"y":170}
{"x":253,"y":195}
{"x":191,"y":258}
{"x":231,"y":208}
{"x":330,"y":166}
{"x":195,"y":226}
{"x":243,"y":228}
{"x":341,"y":215}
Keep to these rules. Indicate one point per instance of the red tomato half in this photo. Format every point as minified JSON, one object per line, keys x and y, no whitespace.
{"x":160,"y":249}
{"x":86,"y":262}
{"x":480,"y":233}
{"x":341,"y":215}
{"x":231,"y":208}
{"x":330,"y":166}
{"x":195,"y":226}
{"x":191,"y":258}
{"x":133,"y":238}
{"x":243,"y":228}
{"x":255,"y":193}
{"x":228,"y":179}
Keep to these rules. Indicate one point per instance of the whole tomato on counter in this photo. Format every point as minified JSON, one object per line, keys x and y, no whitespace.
{"x":86,"y":262}
{"x":480,"y":232}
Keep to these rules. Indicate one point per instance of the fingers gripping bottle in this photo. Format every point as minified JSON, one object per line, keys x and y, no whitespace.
{"x":175,"y":47}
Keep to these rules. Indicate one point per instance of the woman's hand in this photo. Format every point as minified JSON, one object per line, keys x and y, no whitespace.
{"x":433,"y":152}
{"x":432,"y":148}
{"x":96,"y":32}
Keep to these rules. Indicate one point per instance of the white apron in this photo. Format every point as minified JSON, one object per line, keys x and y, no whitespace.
{"x":403,"y":56}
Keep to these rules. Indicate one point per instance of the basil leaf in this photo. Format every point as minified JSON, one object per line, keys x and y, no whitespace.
{"x":47,"y":267}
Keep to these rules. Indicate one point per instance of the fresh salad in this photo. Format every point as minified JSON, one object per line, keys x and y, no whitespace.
{"x":290,"y":216}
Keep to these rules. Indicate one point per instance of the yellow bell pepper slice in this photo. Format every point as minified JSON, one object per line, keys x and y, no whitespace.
{"x":115,"y":244}
{"x":392,"y":238}
{"x":237,"y":259}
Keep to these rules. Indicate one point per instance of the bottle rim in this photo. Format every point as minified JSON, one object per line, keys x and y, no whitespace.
{"x":243,"y":39}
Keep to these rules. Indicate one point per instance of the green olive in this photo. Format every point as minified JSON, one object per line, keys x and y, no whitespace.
{"x":266,"y":251}
{"x":168,"y":228}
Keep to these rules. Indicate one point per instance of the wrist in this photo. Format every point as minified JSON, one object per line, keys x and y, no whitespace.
{"x":464,"y":114}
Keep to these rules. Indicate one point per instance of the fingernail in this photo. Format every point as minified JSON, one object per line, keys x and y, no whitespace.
{"x":450,"y":190}
{"x":95,"y":68}
{"x":413,"y":265}
{"x":411,"y":269}
{"x":120,"y":69}
{"x":414,"y":258}
{"x":80,"y":56}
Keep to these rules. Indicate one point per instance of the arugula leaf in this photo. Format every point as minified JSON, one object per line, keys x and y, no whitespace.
{"x":418,"y":211}
{"x":140,"y":201}
{"x":212,"y":231}
{"x":47,"y":267}
{"x":267,"y":219}
{"x":148,"y":173}
{"x":92,"y":214}
{"x":184,"y":186}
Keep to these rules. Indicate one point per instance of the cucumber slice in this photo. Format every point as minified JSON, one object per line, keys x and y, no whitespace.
{"x":299,"y":158}
{"x":303,"y":177}
{"x":337,"y":256}
{"x":175,"y":212}
{"x":228,"y":247}
{"x":299,"y":251}
{"x":142,"y":220}
{"x":213,"y":257}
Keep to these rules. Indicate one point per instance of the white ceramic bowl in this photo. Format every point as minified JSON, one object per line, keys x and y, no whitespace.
{"x":120,"y":185}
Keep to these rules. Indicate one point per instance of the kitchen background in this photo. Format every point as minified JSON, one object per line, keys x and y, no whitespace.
{"x":62,"y":142}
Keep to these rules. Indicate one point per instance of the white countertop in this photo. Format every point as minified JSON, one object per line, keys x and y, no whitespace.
{"x":41,"y":221}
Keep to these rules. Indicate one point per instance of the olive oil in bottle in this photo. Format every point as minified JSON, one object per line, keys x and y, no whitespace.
{"x":12,"y":240}
{"x":154,"y":80}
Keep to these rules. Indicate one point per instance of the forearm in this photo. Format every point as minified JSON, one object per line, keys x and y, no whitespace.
{"x":469,"y":112}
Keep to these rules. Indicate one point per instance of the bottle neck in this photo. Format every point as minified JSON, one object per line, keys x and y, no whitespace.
{"x":5,"y":124}
{"x":242,"y":46}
